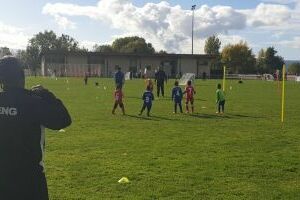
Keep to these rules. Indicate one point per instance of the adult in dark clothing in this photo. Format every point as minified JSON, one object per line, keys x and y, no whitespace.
{"x":119,"y":77}
{"x":24,"y":114}
{"x":86,"y":77}
{"x":160,"y":78}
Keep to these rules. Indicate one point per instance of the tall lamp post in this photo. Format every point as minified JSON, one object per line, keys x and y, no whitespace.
{"x":193,"y":9}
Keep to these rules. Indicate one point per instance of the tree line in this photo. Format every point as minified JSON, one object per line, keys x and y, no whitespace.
{"x":238,"y":58}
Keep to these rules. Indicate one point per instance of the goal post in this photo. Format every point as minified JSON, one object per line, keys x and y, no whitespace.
{"x":127,"y":76}
{"x":187,"y":77}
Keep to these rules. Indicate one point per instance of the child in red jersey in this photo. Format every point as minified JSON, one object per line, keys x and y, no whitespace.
{"x":118,"y":99}
{"x":189,"y":95}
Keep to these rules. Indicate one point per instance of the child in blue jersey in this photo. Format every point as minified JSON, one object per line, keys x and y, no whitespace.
{"x":148,"y":97}
{"x":177,"y":97}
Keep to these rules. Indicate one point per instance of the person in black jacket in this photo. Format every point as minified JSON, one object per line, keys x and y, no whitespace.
{"x":160,"y":78}
{"x":24,"y":115}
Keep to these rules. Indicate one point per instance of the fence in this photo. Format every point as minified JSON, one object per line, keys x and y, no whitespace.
{"x":72,"y":70}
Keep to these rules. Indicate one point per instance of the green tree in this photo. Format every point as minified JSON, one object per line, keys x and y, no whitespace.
{"x":268,"y":61}
{"x":162,"y":52}
{"x":272,"y":61}
{"x":4,"y":51}
{"x":294,"y":68}
{"x":22,"y":56}
{"x":212,"y":45}
{"x":260,"y":62}
{"x":46,"y":41}
{"x":239,"y":58}
{"x":67,"y":43}
{"x":103,"y":48}
{"x":132,"y":45}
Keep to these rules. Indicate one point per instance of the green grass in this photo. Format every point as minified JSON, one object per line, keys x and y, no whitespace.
{"x":245,"y":154}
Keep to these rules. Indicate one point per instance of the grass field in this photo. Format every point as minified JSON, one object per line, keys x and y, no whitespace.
{"x":245,"y":154}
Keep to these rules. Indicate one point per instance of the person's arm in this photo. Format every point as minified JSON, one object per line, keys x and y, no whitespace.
{"x":123,"y":78}
{"x":144,"y":97}
{"x":181,"y":93}
{"x":185,"y":91}
{"x":51,"y":111}
{"x":165,"y":77}
{"x":218,"y":97}
{"x":152,"y":96}
{"x":173,"y":93}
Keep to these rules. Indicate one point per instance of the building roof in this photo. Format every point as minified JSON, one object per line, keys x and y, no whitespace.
{"x":84,"y":53}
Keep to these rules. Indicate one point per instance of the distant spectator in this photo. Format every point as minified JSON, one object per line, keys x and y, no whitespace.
{"x":204,"y":76}
{"x":119,"y":77}
{"x":86,"y":76}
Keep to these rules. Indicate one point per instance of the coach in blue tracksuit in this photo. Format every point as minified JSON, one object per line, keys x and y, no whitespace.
{"x":24,"y":115}
{"x":119,"y":77}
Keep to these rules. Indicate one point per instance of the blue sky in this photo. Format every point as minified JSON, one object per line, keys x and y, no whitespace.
{"x":167,"y":25}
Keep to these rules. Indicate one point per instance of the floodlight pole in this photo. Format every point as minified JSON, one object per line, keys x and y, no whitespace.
{"x":193,"y":10}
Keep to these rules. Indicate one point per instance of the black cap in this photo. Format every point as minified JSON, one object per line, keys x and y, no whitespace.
{"x":11,"y":72}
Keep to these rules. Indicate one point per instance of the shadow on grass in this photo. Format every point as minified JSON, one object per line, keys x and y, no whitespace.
{"x":142,"y":117}
{"x":209,"y":116}
{"x":218,"y":116}
{"x":165,"y":118}
{"x":243,"y":116}
{"x":129,"y":97}
{"x":153,"y":118}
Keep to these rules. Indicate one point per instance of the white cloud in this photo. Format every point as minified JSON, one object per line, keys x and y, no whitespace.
{"x":169,"y":27}
{"x":64,"y":23}
{"x":281,"y":1}
{"x":293,"y":43}
{"x":267,"y":15}
{"x":87,"y":44}
{"x":230,"y":39}
{"x":12,"y":37}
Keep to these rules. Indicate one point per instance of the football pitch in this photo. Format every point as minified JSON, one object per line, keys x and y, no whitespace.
{"x":245,"y":154}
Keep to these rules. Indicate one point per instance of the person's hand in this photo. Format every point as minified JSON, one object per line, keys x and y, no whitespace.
{"x":40,"y":91}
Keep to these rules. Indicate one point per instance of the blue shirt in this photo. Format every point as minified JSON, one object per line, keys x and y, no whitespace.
{"x":148,"y":97}
{"x":177,"y":94}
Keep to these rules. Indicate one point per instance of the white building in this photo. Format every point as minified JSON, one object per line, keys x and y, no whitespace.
{"x":104,"y":64}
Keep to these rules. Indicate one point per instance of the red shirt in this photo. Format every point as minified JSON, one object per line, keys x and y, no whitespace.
{"x":190,"y":91}
{"x":119,"y":95}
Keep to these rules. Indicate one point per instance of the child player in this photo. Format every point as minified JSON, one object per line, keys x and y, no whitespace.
{"x":189,"y":95}
{"x":148,"y":97}
{"x":118,"y":99}
{"x":149,"y":83}
{"x":220,"y":99}
{"x":177,"y":97}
